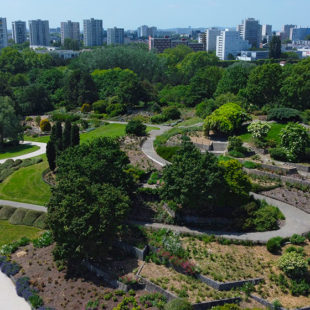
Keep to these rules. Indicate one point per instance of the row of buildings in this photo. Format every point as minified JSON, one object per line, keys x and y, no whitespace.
{"x":39,"y":32}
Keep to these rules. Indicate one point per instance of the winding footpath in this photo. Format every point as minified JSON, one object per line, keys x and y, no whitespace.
{"x":297,"y":221}
{"x":40,"y":151}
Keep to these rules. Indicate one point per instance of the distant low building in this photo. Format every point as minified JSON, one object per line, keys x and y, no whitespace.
{"x":253,"y":55}
{"x":161,"y":44}
{"x":297,"y":34}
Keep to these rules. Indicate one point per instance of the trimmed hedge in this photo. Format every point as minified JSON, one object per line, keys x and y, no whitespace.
{"x":40,"y":222}
{"x":17,"y":217}
{"x":6,"y":212}
{"x":30,"y":217}
{"x":284,"y":115}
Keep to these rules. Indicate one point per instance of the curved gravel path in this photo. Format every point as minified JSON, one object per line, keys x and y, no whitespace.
{"x":8,"y":298}
{"x":41,"y":151}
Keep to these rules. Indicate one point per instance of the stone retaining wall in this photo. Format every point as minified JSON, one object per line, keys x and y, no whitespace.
{"x":210,"y":304}
{"x":132,"y":250}
{"x":276,"y":176}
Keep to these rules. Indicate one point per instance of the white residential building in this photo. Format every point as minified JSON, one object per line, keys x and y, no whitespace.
{"x":39,"y":32}
{"x":3,"y":33}
{"x":19,"y":32}
{"x":229,"y":43}
{"x":70,"y":30}
{"x":93,"y":32}
{"x":211,"y":35}
{"x":115,"y":36}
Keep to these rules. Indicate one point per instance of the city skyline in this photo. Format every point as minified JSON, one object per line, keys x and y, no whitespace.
{"x":163,"y":14}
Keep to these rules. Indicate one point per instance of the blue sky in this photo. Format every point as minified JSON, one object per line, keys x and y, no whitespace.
{"x":161,"y":13}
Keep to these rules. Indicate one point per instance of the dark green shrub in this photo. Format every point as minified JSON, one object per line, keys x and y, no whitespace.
{"x":205,"y":108}
{"x":300,"y":287}
{"x":250,"y":165}
{"x":153,"y":178}
{"x":30,"y":217}
{"x":178,"y":304}
{"x":6,"y":212}
{"x":278,"y":154}
{"x":274,"y":244}
{"x":41,"y":221}
{"x":36,"y":301}
{"x":158,"y":118}
{"x":100,"y":106}
{"x":235,"y":147}
{"x":167,"y":152}
{"x":135,"y":127}
{"x":115,"y":109}
{"x":284,"y":115}
{"x":227,"y":307}
{"x":171,"y":113}
{"x":43,"y":241}
{"x":297,"y":239}
{"x":266,"y":218}
{"x":17,"y":217}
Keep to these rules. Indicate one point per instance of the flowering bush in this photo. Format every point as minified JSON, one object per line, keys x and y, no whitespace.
{"x":293,"y":264}
{"x":127,"y":280}
{"x":153,"y":300}
{"x":43,"y":241}
{"x":172,"y":244}
{"x":294,"y":139}
{"x":10,"y":248}
{"x":259,"y":130}
{"x":180,"y":263}
{"x":8,"y":268}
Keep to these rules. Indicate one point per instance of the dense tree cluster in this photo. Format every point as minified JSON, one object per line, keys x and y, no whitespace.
{"x":91,"y":199}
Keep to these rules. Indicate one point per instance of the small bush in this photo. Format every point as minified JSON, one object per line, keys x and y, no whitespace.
{"x":297,"y":239}
{"x":100,"y":106}
{"x":284,"y":115}
{"x":153,"y":300}
{"x":293,"y":264}
{"x":167,"y":152}
{"x":115,"y":109}
{"x":153,"y":178}
{"x":250,"y":165}
{"x":6,"y":212}
{"x":278,"y":154}
{"x":45,"y":125}
{"x":30,"y":217}
{"x":158,"y":118}
{"x":36,"y":301}
{"x":17,"y":217}
{"x":171,"y":113}
{"x":274,"y":244}
{"x":45,"y":240}
{"x":41,"y":221}
{"x":135,"y":127}
{"x":178,"y":304}
{"x":86,"y":108}
{"x":300,"y":287}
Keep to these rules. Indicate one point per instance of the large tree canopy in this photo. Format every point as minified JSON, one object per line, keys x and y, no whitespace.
{"x":91,"y":198}
{"x":10,"y":127}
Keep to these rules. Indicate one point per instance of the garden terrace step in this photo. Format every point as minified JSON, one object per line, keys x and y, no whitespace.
{"x":218,"y":146}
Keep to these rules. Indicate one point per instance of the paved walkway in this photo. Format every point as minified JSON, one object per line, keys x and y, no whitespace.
{"x":16,"y":204}
{"x":8,"y":298}
{"x":41,"y":151}
{"x":297,"y":222}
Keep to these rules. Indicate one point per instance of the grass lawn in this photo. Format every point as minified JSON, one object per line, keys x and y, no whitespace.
{"x":21,"y":149}
{"x":110,"y":130}
{"x":10,"y":233}
{"x":26,"y":185}
{"x":274,"y":134}
{"x":191,"y":121}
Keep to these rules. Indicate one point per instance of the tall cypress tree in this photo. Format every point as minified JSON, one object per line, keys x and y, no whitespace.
{"x":67,"y":135}
{"x":75,"y":135}
{"x":58,"y":137}
{"x":275,"y":47}
{"x":51,"y":154}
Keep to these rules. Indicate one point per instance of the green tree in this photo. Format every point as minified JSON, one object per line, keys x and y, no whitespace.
{"x":51,"y":155}
{"x":33,"y":99}
{"x":295,"y":139}
{"x":56,"y":136}
{"x":295,"y":91}
{"x":226,"y":120}
{"x":136,"y":127}
{"x":275,"y":47}
{"x":10,"y":127}
{"x":234,"y":78}
{"x":79,"y":88}
{"x":70,"y":44}
{"x":67,"y":135}
{"x":264,"y":85}
{"x":195,"y":61}
{"x":193,"y":180}
{"x":75,"y":135}
{"x":87,"y":207}
{"x":11,"y":61}
{"x":204,"y":83}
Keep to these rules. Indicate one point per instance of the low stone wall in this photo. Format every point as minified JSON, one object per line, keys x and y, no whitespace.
{"x":279,"y":177}
{"x":210,"y":304}
{"x":273,"y":168}
{"x":226,"y":286}
{"x":101,"y":274}
{"x":132,"y":251}
{"x":153,"y":288}
{"x":301,"y":167}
